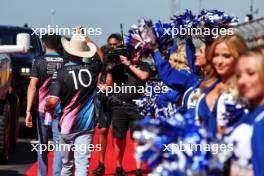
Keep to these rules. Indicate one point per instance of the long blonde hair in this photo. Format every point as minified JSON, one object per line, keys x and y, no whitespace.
{"x":237,"y":46}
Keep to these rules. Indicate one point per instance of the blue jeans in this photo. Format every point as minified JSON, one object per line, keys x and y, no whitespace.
{"x":76,"y":153}
{"x":43,"y":136}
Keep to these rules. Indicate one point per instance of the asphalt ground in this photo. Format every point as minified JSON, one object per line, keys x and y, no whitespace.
{"x":23,"y":157}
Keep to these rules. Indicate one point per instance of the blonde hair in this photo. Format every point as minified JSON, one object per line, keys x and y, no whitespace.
{"x":258,"y":55}
{"x":180,"y":58}
{"x":237,"y":45}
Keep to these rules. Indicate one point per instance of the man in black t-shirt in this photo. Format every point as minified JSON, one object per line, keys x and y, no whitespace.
{"x":130,"y":76}
{"x":104,"y":119}
{"x":43,"y":68}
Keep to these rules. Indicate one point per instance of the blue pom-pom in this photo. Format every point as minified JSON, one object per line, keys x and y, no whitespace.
{"x":215,"y":18}
{"x":161,"y":139}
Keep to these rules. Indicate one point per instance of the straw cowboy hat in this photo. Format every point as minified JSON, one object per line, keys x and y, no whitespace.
{"x":78,"y":46}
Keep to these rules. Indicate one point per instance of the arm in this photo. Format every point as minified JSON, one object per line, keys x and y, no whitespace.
{"x":32,"y":87}
{"x":80,"y":30}
{"x":98,"y":50}
{"x":109,"y":80}
{"x":172,"y":96}
{"x":180,"y":80}
{"x":177,"y":79}
{"x":31,"y":92}
{"x":109,"y":83}
{"x":142,"y":75}
{"x":99,"y":81}
{"x":108,"y":77}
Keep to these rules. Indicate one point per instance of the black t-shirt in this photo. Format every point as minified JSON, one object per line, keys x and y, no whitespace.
{"x":124,"y":77}
{"x":75,"y":86}
{"x":43,"y":68}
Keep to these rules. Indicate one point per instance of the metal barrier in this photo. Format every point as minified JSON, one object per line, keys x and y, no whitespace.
{"x":252,"y":32}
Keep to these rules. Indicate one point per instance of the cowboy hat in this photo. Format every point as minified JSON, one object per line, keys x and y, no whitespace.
{"x":78,"y":46}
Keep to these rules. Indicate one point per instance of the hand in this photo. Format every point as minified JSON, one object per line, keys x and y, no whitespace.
{"x":28,"y":120}
{"x":124,"y":60}
{"x":79,"y":29}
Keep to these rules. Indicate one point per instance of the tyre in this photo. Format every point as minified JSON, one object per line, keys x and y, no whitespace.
{"x":4,"y":132}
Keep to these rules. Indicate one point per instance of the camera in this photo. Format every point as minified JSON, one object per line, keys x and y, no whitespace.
{"x":115,"y":53}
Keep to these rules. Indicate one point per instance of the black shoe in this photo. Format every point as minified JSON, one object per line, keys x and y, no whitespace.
{"x":100,"y":170}
{"x":139,"y":172}
{"x":120,"y":172}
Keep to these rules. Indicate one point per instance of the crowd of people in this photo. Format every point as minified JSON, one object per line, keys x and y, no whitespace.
{"x":216,"y":85}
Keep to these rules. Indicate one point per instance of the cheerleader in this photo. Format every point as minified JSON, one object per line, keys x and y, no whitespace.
{"x":247,"y":136}
{"x":180,"y":80}
{"x":190,"y":85}
{"x":179,"y":61}
{"x":212,"y":108}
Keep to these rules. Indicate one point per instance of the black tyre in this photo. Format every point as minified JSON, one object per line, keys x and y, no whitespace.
{"x":4,"y":132}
